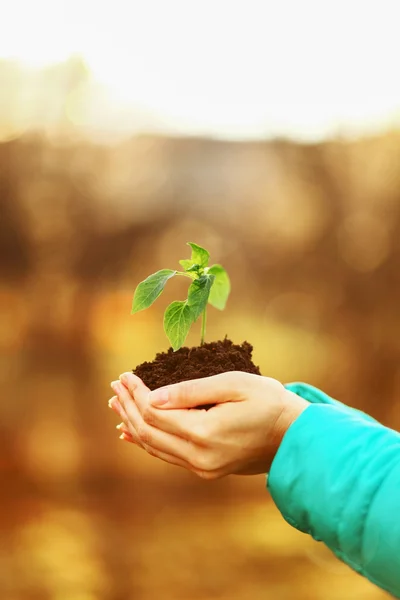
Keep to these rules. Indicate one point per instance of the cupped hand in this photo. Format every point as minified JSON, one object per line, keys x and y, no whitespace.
{"x":239,"y":435}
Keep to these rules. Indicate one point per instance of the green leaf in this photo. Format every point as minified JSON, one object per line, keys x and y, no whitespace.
{"x":194,"y":268}
{"x":198,"y":294}
{"x":150,"y":289}
{"x":186,"y":263}
{"x":199,"y":255}
{"x":221,"y":287}
{"x":177,"y":321}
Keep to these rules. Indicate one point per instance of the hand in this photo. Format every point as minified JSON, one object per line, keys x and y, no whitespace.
{"x":239,"y":435}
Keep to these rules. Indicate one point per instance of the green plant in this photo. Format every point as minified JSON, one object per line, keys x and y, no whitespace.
{"x":208,"y":285}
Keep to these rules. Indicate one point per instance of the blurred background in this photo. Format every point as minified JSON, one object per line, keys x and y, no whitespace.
{"x":267,"y":132}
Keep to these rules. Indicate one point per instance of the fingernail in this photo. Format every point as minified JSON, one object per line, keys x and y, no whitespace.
{"x":114,"y":404}
{"x":115,"y":386}
{"x":124,"y":378}
{"x":159,"y":397}
{"x":125,"y":437}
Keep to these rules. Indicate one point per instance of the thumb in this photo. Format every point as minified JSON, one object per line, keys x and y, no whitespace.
{"x":226,"y":387}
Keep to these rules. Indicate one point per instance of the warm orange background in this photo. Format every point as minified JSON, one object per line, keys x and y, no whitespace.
{"x":310,"y":238}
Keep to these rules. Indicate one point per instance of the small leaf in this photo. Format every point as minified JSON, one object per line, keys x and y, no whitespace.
{"x":199,"y":255}
{"x":198,"y":294}
{"x":177,"y":321}
{"x":193,"y":268}
{"x":150,"y":289}
{"x":221,"y":287}
{"x":186,"y":263}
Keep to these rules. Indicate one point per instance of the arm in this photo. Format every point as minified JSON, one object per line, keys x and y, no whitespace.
{"x":333,"y":471}
{"x":336,"y":476}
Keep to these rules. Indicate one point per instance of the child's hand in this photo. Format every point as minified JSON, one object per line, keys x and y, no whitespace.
{"x":240,"y":435}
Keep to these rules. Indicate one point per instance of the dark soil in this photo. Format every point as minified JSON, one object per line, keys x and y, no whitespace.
{"x":194,"y":363}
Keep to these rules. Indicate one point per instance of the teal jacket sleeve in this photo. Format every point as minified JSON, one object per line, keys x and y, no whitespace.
{"x":336,"y":476}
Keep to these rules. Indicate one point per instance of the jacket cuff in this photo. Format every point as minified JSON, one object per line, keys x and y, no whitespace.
{"x":316,"y":396}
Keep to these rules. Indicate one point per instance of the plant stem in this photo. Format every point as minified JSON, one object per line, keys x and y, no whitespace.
{"x":186,"y":275}
{"x":203,"y":326}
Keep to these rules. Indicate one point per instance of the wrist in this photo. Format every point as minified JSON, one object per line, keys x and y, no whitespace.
{"x":293,"y":407}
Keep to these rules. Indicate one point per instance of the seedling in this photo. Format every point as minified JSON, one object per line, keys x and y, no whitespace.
{"x":209,"y":285}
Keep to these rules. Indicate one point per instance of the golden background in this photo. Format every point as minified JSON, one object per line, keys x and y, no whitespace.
{"x":309,"y":234}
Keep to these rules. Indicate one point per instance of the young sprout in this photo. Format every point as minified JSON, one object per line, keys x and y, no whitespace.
{"x":208,"y":285}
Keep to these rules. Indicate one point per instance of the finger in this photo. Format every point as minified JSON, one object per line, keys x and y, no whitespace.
{"x":127,"y":430}
{"x":134,"y":384}
{"x":200,"y":465}
{"x":117,"y":407}
{"x":126,"y":437}
{"x":137,"y":390}
{"x":114,"y":404}
{"x":129,"y":434}
{"x":122,"y":428}
{"x":118,"y":402}
{"x":151,"y":437}
{"x":169,"y":458}
{"x":172,"y":460}
{"x":178,"y":422}
{"x":225,"y":387}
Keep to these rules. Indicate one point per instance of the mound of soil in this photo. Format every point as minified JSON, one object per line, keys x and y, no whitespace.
{"x":194,"y":363}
